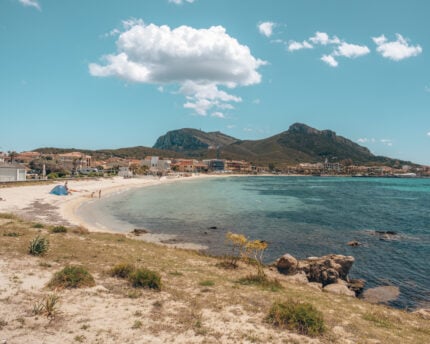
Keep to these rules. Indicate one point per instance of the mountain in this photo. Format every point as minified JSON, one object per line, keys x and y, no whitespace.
{"x":193,"y":142}
{"x":300,"y":143}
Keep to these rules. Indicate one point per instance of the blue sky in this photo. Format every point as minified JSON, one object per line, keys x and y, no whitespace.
{"x":109,"y":74}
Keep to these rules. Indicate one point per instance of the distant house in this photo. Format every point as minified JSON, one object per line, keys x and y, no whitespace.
{"x":125,"y":172}
{"x":12,"y":173}
{"x":155,"y":164}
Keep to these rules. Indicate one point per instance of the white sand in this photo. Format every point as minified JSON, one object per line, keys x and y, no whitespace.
{"x":21,"y":200}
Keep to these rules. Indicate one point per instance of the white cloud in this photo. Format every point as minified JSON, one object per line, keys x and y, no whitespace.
{"x":330,"y":60}
{"x":366,"y":140}
{"x":199,"y":60}
{"x":266,"y":28}
{"x":293,"y":45}
{"x":386,"y":142}
{"x":324,"y":39}
{"x":396,"y":50}
{"x":180,"y":2}
{"x":231,"y":126}
{"x":31,"y":3}
{"x":351,"y":50}
{"x":427,"y":88}
{"x":217,"y":114}
{"x":428,"y":134}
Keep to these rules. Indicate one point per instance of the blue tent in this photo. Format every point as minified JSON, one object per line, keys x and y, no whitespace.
{"x":59,"y":190}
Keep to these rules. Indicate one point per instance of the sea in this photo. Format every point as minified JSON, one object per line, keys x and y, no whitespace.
{"x":303,"y":216}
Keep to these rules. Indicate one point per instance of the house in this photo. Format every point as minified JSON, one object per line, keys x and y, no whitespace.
{"x":2,"y":157}
{"x":12,"y":172}
{"x":215,"y":164}
{"x":125,"y":172}
{"x":155,"y":164}
{"x":74,"y":160}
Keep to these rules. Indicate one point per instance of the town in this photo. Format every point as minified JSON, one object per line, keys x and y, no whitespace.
{"x":33,"y":165}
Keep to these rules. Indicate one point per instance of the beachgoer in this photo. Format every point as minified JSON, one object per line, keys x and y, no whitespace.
{"x":100,"y":193}
{"x":92,"y":194}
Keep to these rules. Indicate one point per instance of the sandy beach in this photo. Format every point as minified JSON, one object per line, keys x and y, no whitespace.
{"x":35,"y":203}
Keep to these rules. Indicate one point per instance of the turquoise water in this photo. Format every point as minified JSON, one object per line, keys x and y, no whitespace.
{"x":305,"y":216}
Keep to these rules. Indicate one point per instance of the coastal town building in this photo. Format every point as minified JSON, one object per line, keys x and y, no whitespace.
{"x":12,"y":172}
{"x":74,"y":160}
{"x":215,"y":164}
{"x":155,"y":164}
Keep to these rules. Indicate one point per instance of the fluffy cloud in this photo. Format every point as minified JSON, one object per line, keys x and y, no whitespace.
{"x":386,"y":142}
{"x":396,"y":50}
{"x":266,"y":28}
{"x":199,"y":60}
{"x":351,"y":50}
{"x":293,"y":45}
{"x":330,"y":60}
{"x":180,"y":2}
{"x":31,"y":3}
{"x":428,"y":134}
{"x":366,"y":140}
{"x":324,"y":39}
{"x":217,"y":114}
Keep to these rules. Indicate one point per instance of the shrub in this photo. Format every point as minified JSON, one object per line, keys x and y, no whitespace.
{"x":59,"y":229}
{"x":122,"y":270}
{"x":263,"y":281}
{"x":301,"y":317}
{"x":38,"y":246}
{"x":80,"y":230}
{"x":12,"y":234}
{"x":47,"y":305}
{"x":145,"y":278}
{"x":37,"y":225}
{"x":71,"y":276}
{"x":207,"y":283}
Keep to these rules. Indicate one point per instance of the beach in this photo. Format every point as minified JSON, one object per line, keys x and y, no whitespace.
{"x":35,"y":203}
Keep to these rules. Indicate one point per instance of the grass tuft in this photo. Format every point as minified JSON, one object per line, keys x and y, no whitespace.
{"x":122,"y":270}
{"x":59,"y":229}
{"x":301,"y":317}
{"x":71,"y":276}
{"x":12,"y":234}
{"x":262,"y":281}
{"x":207,"y":283}
{"x":38,"y":246}
{"x":145,"y":278}
{"x":378,"y":318}
{"x":38,"y":225}
{"x":47,"y":306}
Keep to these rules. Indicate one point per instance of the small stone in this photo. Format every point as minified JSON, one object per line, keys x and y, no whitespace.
{"x":354,"y":243}
{"x":287,"y":264}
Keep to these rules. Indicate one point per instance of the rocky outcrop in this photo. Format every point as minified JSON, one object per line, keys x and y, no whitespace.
{"x":339,"y":289}
{"x":381,"y":294}
{"x":325,"y":270}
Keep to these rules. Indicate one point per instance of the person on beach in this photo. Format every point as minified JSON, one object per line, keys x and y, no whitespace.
{"x":100,"y":193}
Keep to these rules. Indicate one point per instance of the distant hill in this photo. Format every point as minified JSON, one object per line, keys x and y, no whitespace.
{"x":300,"y":143}
{"x":139,"y":152}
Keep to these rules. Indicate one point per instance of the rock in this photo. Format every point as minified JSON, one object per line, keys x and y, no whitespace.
{"x":354,"y":243}
{"x":339,"y":289}
{"x":381,"y":294}
{"x":287,"y":264}
{"x":386,"y":232}
{"x":213,"y":227}
{"x":356,"y":285}
{"x":139,"y":231}
{"x":326,"y":269}
{"x":423,"y":313}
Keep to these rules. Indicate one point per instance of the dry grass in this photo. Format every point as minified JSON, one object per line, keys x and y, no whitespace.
{"x":183,"y":306}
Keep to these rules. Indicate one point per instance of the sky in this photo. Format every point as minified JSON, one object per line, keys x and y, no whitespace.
{"x":120,"y":73}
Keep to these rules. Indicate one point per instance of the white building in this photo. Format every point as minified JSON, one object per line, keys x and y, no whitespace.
{"x":155,"y":164}
{"x":125,"y":172}
{"x":12,"y":173}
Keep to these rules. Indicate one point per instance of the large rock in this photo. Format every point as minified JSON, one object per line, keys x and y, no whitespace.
{"x":325,"y":270}
{"x":423,"y":313}
{"x":287,"y":264}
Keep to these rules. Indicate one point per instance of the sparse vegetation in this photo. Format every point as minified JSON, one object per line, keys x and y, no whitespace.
{"x":262,"y":281}
{"x":379,"y":319}
{"x":145,"y":278}
{"x":122,"y":270}
{"x":59,"y":229}
{"x":38,"y":246}
{"x":301,"y":317}
{"x":12,"y":234}
{"x":207,"y":283}
{"x":38,"y":225}
{"x":47,"y":306}
{"x":71,"y":276}
{"x":136,"y":325}
{"x":3,"y":323}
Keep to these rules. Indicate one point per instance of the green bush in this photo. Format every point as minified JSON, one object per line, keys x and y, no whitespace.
{"x":37,"y":225}
{"x":38,"y":246}
{"x":59,"y":229}
{"x":145,"y":278}
{"x":71,"y":276}
{"x":301,"y":317}
{"x":262,"y":281}
{"x":122,"y":270}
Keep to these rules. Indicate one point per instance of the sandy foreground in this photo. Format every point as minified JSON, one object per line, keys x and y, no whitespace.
{"x":199,"y":302}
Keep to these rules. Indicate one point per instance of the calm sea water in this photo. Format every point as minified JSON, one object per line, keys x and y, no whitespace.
{"x":304,"y":216}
